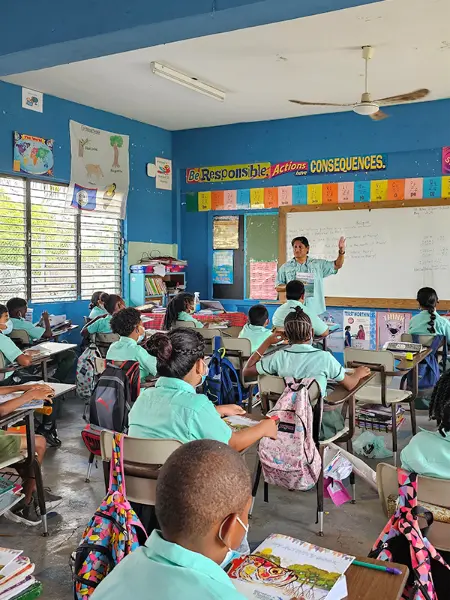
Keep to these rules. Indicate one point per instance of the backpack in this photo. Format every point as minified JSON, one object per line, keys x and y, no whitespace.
{"x":292,"y":460}
{"x":429,"y":372}
{"x":222,"y":384}
{"x":111,"y":534}
{"x":114,"y":395}
{"x":86,"y":371}
{"x":404,"y":542}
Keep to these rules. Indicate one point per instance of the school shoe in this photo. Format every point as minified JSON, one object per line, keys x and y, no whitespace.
{"x":24,"y":513}
{"x":51,"y":436}
{"x":51,"y":500}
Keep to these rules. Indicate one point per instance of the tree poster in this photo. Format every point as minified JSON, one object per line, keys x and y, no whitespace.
{"x":100,"y":174}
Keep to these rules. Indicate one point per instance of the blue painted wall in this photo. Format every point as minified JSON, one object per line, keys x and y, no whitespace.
{"x":150,"y":215}
{"x":412,"y":137}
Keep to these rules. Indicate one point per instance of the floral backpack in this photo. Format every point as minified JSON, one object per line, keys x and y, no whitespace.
{"x":110,"y":535}
{"x":86,"y":378}
{"x":403,"y":541}
{"x":292,"y":460}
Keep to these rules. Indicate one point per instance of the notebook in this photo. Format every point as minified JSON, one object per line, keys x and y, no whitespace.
{"x":237,"y":422}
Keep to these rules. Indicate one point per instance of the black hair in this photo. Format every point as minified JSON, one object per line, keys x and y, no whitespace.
{"x":200,"y":485}
{"x":177,"y":351}
{"x":111,"y":303}
{"x":295,"y":289}
{"x":125,"y":321}
{"x":178,"y":304}
{"x":300,"y":239}
{"x":96,"y":296}
{"x":440,"y":403}
{"x":15,"y":304}
{"x":3,"y":309}
{"x":427,"y":298}
{"x":258,"y":315}
{"x":298,"y":327}
{"x":347,"y":327}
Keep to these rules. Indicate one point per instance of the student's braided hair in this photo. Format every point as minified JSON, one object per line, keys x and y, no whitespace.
{"x":440,"y":404}
{"x":177,"y":351}
{"x":427,"y":298}
{"x":179,"y":303}
{"x":298,"y":327}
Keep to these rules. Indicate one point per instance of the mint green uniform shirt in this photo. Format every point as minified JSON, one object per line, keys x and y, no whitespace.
{"x":101,"y":326}
{"x":184,"y":316}
{"x":97,"y":311}
{"x":419,"y":325}
{"x":257,"y":334}
{"x":302,"y":360}
{"x":10,"y":351}
{"x":428,"y":453}
{"x":166,"y":571}
{"x":282,"y":312}
{"x":172,"y":409}
{"x":128,"y":349}
{"x":34,"y":332}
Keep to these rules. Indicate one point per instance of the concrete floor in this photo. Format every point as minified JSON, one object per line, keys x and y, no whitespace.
{"x":349,"y":528}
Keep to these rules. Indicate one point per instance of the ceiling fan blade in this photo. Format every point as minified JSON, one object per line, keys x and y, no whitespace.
{"x":379,"y":116}
{"x":302,"y":103}
{"x":416,"y":95}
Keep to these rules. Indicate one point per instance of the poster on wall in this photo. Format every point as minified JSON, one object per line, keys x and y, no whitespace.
{"x":32,"y":100}
{"x":362,"y":324}
{"x":446,"y":160}
{"x":226,"y":233}
{"x":262,"y":280}
{"x":390,"y":326}
{"x":334,"y":318}
{"x":100,"y":175}
{"x":223,"y":267}
{"x":32,"y":155}
{"x":308,"y":281}
{"x":163,"y":173}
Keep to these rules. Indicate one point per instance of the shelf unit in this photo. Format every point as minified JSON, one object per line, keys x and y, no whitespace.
{"x":138,"y":290}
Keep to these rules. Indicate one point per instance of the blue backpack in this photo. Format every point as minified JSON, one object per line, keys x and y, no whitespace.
{"x":222,"y":384}
{"x":429,"y":372}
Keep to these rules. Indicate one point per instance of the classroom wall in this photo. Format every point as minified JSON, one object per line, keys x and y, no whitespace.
{"x":412,"y":137}
{"x":149,"y":211}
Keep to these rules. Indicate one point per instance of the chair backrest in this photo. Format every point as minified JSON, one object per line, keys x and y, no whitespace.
{"x":430,"y":490}
{"x":382,"y":358}
{"x":238,"y":351}
{"x":186,"y":324}
{"x":142,"y":459}
{"x":424,"y":340}
{"x":104,"y":340}
{"x":209,"y":334}
{"x":271,"y":387}
{"x":86,"y":320}
{"x":20,"y":337}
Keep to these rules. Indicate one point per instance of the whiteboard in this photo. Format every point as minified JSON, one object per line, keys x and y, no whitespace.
{"x":391,"y":252}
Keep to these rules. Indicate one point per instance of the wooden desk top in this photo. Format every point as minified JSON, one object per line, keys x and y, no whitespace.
{"x":407,"y":365}
{"x":367,"y":584}
{"x":340,"y":394}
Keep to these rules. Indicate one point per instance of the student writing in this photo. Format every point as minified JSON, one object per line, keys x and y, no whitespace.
{"x":300,"y":360}
{"x":173,"y":409}
{"x":128,"y":325}
{"x":97,"y":305}
{"x":295,"y":294}
{"x":255,"y":330}
{"x":203,"y":496}
{"x":181,"y":308}
{"x":102,"y":323}
{"x":428,"y":321}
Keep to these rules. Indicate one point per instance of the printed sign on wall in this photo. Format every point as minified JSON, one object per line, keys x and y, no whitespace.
{"x":228,"y":173}
{"x":163,"y":173}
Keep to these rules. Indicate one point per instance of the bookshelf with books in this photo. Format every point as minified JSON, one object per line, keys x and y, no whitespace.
{"x":158,"y":289}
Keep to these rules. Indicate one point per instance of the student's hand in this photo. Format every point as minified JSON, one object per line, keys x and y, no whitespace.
{"x":276,"y":338}
{"x":230,"y":410}
{"x":35,"y":386}
{"x":270,"y":428}
{"x":42,"y":393}
{"x":32,"y":352}
{"x":361,"y":372}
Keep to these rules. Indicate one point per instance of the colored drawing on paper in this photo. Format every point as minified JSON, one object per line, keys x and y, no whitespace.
{"x":223,"y":266}
{"x":390,"y":326}
{"x":33,"y":155}
{"x":262,"y":280}
{"x":163,"y":180}
{"x":446,"y":160}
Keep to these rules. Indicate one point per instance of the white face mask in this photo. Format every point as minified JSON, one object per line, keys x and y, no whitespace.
{"x":231,"y":554}
{"x":7,"y":327}
{"x":141,"y":335}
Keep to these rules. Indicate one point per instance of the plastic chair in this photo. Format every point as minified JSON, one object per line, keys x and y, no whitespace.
{"x":209,"y":335}
{"x":21,"y":338}
{"x":143,"y":458}
{"x":378,"y":392}
{"x":103,"y":341}
{"x":238,"y":351}
{"x":433,"y":494}
{"x":427,"y":340}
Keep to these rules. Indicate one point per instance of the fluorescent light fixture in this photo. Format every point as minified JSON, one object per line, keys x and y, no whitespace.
{"x":190,"y":82}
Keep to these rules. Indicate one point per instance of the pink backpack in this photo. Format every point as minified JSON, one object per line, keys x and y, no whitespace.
{"x":292,"y":460}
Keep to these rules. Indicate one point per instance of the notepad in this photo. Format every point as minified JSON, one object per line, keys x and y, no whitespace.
{"x":236,"y":422}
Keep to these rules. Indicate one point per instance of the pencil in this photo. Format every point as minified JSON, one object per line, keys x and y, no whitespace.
{"x":391,"y":570}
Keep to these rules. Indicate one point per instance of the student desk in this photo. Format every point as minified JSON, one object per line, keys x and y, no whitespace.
{"x":51,"y":349}
{"x":235,"y":319}
{"x":367,"y":584}
{"x":59,"y":332}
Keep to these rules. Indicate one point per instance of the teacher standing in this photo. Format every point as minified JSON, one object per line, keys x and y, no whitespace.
{"x":320,"y":268}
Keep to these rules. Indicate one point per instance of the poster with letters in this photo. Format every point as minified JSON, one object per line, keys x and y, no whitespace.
{"x":163,"y":180}
{"x":362,"y":328}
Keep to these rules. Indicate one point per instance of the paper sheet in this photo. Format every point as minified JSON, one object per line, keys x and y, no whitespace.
{"x":262,"y":280}
{"x":226,"y":233}
{"x":223,"y":266}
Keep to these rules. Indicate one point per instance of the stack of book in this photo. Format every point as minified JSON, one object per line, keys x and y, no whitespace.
{"x":155,"y":286}
{"x":16,"y":576}
{"x":10,"y":494}
{"x":378,"y":417}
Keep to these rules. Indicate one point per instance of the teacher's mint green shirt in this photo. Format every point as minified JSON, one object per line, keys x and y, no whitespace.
{"x":102,"y":325}
{"x":184,"y":316}
{"x":428,"y":453}
{"x":321,"y":269}
{"x":172,"y":409}
{"x":282,"y":312}
{"x":257,"y":334}
{"x":128,"y":349}
{"x":419,"y":325}
{"x":34,"y":331}
{"x":165,"y":571}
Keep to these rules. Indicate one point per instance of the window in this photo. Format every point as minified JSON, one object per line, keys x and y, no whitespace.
{"x":51,"y":253}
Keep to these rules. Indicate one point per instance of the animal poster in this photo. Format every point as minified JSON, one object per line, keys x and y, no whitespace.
{"x":284,"y":568}
{"x":33,"y":155}
{"x":163,"y":180}
{"x":361,"y":325}
{"x":390,"y":326}
{"x":100,"y":174}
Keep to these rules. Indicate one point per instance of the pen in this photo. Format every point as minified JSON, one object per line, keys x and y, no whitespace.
{"x":391,"y":570}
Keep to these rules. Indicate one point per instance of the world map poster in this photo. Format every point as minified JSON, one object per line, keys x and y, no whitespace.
{"x":33,"y":155}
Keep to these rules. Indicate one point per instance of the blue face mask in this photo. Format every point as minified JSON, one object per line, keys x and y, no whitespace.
{"x":231,"y":554}
{"x":8,"y":327}
{"x":203,"y":376}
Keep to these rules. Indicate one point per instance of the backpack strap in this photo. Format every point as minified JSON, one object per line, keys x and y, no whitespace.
{"x":407,"y":490}
{"x":116,"y":472}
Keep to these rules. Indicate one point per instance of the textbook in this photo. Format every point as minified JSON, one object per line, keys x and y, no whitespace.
{"x":16,"y":571}
{"x":236,"y":422}
{"x":7,"y":556}
{"x":283,"y":568}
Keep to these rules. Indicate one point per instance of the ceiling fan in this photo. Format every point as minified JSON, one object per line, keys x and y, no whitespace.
{"x":367,"y":106}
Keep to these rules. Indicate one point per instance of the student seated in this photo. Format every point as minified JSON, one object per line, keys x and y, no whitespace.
{"x":301,"y":360}
{"x":127,"y":323}
{"x":181,"y":308}
{"x":13,"y":444}
{"x":295,"y":294}
{"x":203,"y":496}
{"x":11,"y":352}
{"x":97,"y":305}
{"x":255,"y":330}
{"x":102,"y":323}
{"x":428,"y":452}
{"x":173,"y":409}
{"x":428,"y":321}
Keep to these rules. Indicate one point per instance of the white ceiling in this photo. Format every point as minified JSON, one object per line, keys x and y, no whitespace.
{"x":316,"y":59}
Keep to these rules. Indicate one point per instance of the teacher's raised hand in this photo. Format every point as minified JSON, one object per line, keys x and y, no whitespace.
{"x":339,"y":262}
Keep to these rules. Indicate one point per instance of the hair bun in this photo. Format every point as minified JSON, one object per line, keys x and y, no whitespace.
{"x":160,"y":346}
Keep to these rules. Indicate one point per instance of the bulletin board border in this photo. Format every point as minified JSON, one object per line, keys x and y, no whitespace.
{"x":392,"y":303}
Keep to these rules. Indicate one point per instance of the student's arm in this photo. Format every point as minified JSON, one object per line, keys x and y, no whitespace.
{"x":42,"y":393}
{"x":250,"y":369}
{"x":90,"y":328}
{"x":240,"y":440}
{"x":351,"y":380}
{"x":147,"y":361}
{"x":46,"y":322}
{"x":13,"y":353}
{"x":24,"y":359}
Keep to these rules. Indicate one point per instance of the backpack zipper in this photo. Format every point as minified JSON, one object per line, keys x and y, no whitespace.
{"x":113,"y":520}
